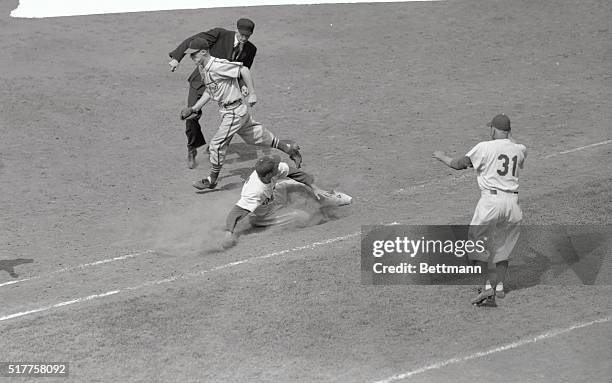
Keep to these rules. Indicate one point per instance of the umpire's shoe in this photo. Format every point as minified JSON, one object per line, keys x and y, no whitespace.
{"x":204,"y":184}
{"x":485,"y":298}
{"x":191,"y":155}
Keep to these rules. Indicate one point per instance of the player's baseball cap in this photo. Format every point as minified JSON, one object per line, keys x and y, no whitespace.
{"x":196,"y":45}
{"x":501,"y":122}
{"x":245,"y":26}
{"x":267,"y":164}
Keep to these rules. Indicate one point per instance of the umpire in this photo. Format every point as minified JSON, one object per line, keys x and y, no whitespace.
{"x":224,"y":44}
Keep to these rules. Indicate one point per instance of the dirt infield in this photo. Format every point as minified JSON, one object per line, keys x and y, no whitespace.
{"x":93,"y":167}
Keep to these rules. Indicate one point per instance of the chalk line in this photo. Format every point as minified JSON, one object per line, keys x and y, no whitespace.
{"x":66,"y":303}
{"x":78,"y":267}
{"x":579,"y":148}
{"x":509,"y":346}
{"x":176,"y":278}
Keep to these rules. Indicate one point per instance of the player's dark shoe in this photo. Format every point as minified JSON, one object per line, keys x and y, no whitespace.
{"x":204,"y":184}
{"x":485,"y":298}
{"x":191,"y":155}
{"x":489,"y":302}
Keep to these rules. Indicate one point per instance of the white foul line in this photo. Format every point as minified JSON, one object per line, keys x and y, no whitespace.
{"x":580,"y":148}
{"x":17,"y":281}
{"x":175,"y":278}
{"x":78,"y":267}
{"x":66,"y":303}
{"x":438,"y":365}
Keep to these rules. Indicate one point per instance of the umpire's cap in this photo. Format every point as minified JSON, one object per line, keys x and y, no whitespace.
{"x":196,"y":45}
{"x":501,"y":122}
{"x":245,"y":26}
{"x":267,"y":164}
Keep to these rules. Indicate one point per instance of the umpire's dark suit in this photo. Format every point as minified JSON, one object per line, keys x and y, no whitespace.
{"x":221,"y":42}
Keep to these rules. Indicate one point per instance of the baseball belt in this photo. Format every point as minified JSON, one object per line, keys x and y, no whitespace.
{"x":232,"y":104}
{"x":494,"y":192}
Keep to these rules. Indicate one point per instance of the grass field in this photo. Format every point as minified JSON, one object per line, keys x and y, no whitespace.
{"x":104,"y":259}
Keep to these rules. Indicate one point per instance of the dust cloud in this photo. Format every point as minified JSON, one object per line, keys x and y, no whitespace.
{"x":185,"y":230}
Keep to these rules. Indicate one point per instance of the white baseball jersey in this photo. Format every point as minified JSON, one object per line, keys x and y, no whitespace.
{"x":221,"y":79}
{"x":497,"y":163}
{"x":256,"y":196}
{"x":497,"y":216}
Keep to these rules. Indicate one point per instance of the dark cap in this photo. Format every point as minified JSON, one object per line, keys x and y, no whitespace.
{"x":267,"y":164}
{"x":196,"y":45}
{"x":245,"y":26}
{"x":501,"y":122}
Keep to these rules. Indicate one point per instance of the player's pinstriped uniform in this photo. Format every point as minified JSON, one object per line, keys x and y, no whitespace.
{"x":221,"y":79}
{"x":498,"y":214}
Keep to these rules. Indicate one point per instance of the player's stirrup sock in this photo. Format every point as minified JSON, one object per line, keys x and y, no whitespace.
{"x":500,"y":269}
{"x":214,"y":173}
{"x":286,"y":146}
{"x":275,"y":143}
{"x":282,"y":145}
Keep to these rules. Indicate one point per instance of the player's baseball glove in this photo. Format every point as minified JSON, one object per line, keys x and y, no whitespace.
{"x":189,"y":114}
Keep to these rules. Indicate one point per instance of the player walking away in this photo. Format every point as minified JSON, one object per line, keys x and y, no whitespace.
{"x":221,"y":82}
{"x":224,"y":44}
{"x":265,"y":196}
{"x":498,"y":214}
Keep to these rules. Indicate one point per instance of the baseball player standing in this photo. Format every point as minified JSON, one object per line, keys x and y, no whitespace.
{"x":224,"y":44}
{"x":498,"y":214}
{"x":221,"y":81}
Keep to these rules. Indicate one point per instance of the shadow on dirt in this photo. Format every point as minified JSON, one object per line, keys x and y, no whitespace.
{"x":245,"y":152}
{"x":243,"y":173}
{"x":559,"y":258}
{"x":226,"y":187}
{"x":9,"y":265}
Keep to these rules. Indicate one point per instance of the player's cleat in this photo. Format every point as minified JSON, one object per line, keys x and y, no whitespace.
{"x":485,"y":298}
{"x":204,"y":184}
{"x":295,"y":155}
{"x":334,"y":199}
{"x":489,"y":302}
{"x":191,"y":155}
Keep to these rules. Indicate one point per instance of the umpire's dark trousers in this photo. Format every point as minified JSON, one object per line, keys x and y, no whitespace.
{"x":193,"y":130}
